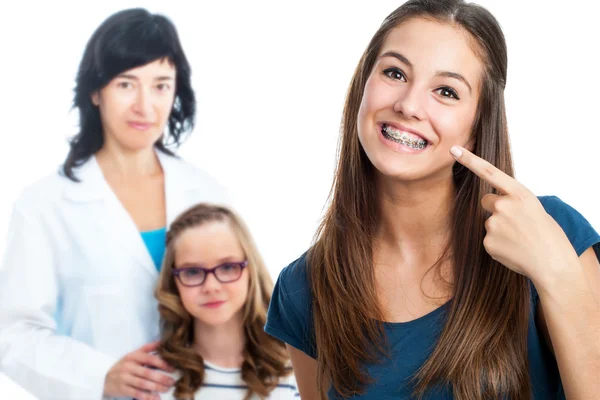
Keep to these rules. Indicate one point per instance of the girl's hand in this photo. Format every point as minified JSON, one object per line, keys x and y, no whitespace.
{"x":520,"y":233}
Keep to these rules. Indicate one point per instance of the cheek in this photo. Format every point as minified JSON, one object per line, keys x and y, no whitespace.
{"x":187,"y":296}
{"x":188,"y":300}
{"x":450,"y":123}
{"x":377,"y":96}
{"x":239,"y":291}
{"x":113,"y":107}
{"x":363,"y":112}
{"x":165,"y":105}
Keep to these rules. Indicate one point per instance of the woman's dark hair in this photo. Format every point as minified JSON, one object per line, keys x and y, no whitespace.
{"x":126,"y":40}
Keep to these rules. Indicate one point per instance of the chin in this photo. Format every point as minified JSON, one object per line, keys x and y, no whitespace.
{"x":139,"y":145}
{"x":410,"y":169}
{"x":217,"y":316}
{"x":214,"y":320}
{"x":400,"y":170}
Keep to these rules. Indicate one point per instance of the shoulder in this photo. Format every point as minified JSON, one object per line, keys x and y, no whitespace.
{"x":170,"y":394}
{"x":580,"y":232}
{"x":290,"y":317}
{"x":188,"y":169}
{"x":294,"y":281}
{"x":185,"y":175}
{"x":45,"y":191}
{"x":176,"y":375}
{"x":184,"y":166}
{"x":288,"y":383}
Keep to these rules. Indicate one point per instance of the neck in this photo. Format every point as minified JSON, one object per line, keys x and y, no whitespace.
{"x":415,"y":219}
{"x":126,"y":166}
{"x":222,"y":345}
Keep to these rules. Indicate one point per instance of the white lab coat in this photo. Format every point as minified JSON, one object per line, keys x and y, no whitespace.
{"x":77,"y":282}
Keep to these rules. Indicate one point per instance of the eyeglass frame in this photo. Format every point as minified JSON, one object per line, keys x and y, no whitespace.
{"x":176,"y":271}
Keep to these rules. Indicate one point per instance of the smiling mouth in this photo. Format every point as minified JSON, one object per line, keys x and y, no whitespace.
{"x":404,"y":138}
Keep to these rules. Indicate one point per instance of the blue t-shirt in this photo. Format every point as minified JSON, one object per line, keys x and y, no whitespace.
{"x":155,"y":242}
{"x":410,"y":343}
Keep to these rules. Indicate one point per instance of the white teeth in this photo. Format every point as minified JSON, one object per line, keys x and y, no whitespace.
{"x":402,"y":137}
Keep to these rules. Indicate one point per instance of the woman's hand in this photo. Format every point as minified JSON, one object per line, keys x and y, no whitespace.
{"x":133,"y":376}
{"x":520,"y":233}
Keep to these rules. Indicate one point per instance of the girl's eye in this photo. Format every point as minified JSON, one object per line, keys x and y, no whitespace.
{"x":163,"y":87}
{"x":124,"y":85}
{"x":227,"y":267}
{"x":191,"y":272}
{"x":395,"y":74}
{"x":448,"y":92}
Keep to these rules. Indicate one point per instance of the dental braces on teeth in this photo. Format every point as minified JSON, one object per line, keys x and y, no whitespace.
{"x":417,"y":144}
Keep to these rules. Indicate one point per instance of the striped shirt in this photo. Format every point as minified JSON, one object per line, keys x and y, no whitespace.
{"x":227,"y":384}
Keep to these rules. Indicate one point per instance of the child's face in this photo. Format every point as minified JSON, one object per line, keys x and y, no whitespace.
{"x":208,"y":246}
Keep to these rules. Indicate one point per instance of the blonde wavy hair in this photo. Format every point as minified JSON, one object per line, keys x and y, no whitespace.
{"x":265,"y":358}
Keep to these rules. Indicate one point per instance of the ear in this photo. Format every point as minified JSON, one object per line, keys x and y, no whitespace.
{"x":95,"y":97}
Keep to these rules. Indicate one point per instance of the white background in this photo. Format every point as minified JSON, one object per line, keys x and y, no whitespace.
{"x":270,"y":78}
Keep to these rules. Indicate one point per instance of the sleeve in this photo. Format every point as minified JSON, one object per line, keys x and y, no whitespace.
{"x":580,"y":232}
{"x":289,"y":318}
{"x":31,"y":353}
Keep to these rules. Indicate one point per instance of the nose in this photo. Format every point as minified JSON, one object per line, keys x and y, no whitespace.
{"x":410,"y":103}
{"x":143,"y":103}
{"x":211,"y":283}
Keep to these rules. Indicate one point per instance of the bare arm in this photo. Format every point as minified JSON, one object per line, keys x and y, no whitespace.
{"x":524,"y":238}
{"x":570,"y":319}
{"x":305,"y":370}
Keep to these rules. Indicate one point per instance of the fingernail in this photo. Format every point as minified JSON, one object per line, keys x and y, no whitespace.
{"x":456,"y":152}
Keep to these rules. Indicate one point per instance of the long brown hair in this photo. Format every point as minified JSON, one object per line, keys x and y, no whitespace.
{"x":265,"y":358}
{"x":482,"y":350}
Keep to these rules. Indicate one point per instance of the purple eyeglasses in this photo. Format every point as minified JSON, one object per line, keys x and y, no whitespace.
{"x":225,"y":273}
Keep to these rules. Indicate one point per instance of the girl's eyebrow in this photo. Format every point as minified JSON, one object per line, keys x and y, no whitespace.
{"x":399,"y":56}
{"x":454,"y":75}
{"x":189,"y":265}
{"x":221,"y":261}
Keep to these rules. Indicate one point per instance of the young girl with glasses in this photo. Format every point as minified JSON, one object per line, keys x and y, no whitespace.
{"x":213,"y":294}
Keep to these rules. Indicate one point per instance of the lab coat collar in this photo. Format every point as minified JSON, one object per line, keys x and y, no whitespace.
{"x":93,"y":187}
{"x":109,"y":215}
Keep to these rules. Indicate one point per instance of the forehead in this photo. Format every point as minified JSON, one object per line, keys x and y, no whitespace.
{"x":433,"y":46}
{"x":207,"y":244}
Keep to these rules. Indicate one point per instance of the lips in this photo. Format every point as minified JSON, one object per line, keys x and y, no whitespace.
{"x":141,"y":126}
{"x":213,"y":304}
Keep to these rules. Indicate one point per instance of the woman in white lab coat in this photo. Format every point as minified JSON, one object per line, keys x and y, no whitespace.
{"x":77,"y":314}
